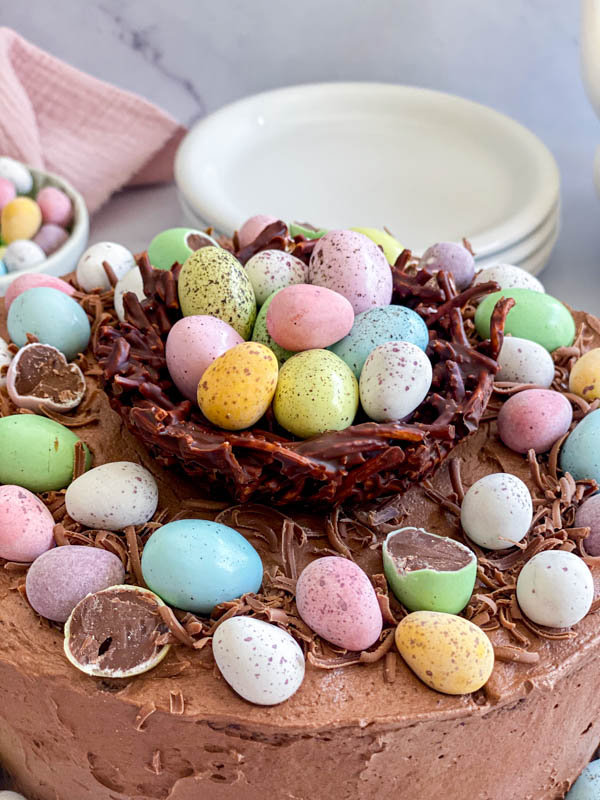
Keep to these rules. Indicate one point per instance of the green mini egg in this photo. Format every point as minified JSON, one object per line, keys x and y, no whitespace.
{"x":429,"y":572}
{"x":316,"y":392}
{"x":37,"y":453}
{"x":391,"y":247}
{"x":261,"y":334}
{"x":176,"y":244}
{"x":304,"y":229}
{"x":535,"y":316}
{"x":212,"y":281}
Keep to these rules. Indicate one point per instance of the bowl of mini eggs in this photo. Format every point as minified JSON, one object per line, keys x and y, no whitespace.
{"x":44,"y":223}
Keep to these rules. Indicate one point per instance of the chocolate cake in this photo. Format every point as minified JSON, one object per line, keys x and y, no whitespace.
{"x":361,"y":724}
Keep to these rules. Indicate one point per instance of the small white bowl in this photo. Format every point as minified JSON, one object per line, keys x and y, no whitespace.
{"x":64,"y":259}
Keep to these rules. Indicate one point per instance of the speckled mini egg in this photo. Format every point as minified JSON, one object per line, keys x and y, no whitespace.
{"x":351,"y":264}
{"x":450,"y":257}
{"x":35,"y":280}
{"x":580,"y":454}
{"x":261,"y":662}
{"x":448,"y":653}
{"x":261,"y":334}
{"x":113,"y":496}
{"x":316,"y":392}
{"x":534,"y":419}
{"x":524,"y":361}
{"x":195,"y":564}
{"x":23,"y":254}
{"x":91,"y":274}
{"x":26,"y":525}
{"x":16,"y":173}
{"x":213,"y":282}
{"x":584,"y":379}
{"x":335,"y":599}
{"x":20,"y":219}
{"x":237,"y":388}
{"x":535,"y":316}
{"x":37,"y":453}
{"x":176,"y":245}
{"x":588,"y":516}
{"x":391,"y":247}
{"x":270,"y":270}
{"x":39,"y":376}
{"x":394,"y":381}
{"x":497,"y":511}
{"x":5,"y":359}
{"x":586,"y":787}
{"x":193,"y":344}
{"x":508,"y":276}
{"x":59,"y":578}
{"x":305,"y":317}
{"x":131,"y":282}
{"x":53,"y":317}
{"x":378,"y":326}
{"x":555,"y":588}
{"x":253,"y":227}
{"x":306,"y":229}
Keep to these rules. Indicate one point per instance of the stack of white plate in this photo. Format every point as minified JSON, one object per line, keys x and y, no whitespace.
{"x":428,"y":166}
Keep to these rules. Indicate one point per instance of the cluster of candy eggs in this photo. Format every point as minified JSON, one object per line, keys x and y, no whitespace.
{"x":34,"y":222}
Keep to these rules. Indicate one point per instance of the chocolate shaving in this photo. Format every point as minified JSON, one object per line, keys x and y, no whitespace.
{"x":143,"y":715}
{"x":176,"y":702}
{"x":507,"y":652}
{"x":176,"y":629}
{"x":78,"y":459}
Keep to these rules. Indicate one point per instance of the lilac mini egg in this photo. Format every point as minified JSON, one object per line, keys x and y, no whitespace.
{"x":35,"y":280}
{"x":253,"y":227}
{"x":305,"y":317}
{"x":450,"y":257}
{"x":26,"y":525}
{"x":55,"y":205}
{"x":61,"y":577}
{"x":336,"y":599}
{"x":50,"y":237}
{"x":534,"y":419}
{"x":352,"y":265}
{"x":192,"y":345}
{"x":588,"y":516}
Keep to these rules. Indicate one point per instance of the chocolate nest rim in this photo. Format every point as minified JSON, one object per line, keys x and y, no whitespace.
{"x":362,"y":462}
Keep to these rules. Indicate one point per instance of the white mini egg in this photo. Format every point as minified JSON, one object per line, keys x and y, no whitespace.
{"x":131,"y":282}
{"x":555,"y":588}
{"x":113,"y":496}
{"x":509,"y":277}
{"x":260,"y":662}
{"x":5,"y":359}
{"x":271,"y":270}
{"x":22,"y":254}
{"x":90,"y":272}
{"x":394,"y":380}
{"x":524,"y":361}
{"x":16,"y":173}
{"x":497,"y":511}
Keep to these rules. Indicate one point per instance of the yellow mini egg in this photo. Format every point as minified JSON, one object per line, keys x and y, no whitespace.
{"x":391,"y":247}
{"x":585,"y":375}
{"x":237,"y":388}
{"x":316,"y":392}
{"x":21,"y":219}
{"x":448,"y":653}
{"x":212,"y":281}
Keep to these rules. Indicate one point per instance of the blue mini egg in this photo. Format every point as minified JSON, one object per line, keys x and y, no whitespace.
{"x":53,"y":317}
{"x":194,"y":564}
{"x":3,"y":269}
{"x":580,"y":454}
{"x":587,"y":785}
{"x":377,"y":326}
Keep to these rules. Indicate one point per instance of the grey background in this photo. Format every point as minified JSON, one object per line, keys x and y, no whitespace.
{"x":192,"y":56}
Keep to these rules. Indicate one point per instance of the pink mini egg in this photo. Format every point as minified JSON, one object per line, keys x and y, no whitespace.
{"x":55,"y":205}
{"x":7,"y":192}
{"x":35,"y":280}
{"x":534,"y":419}
{"x":193,"y":344}
{"x":304,"y":317}
{"x":26,"y":525}
{"x":50,"y":237}
{"x":336,"y":599}
{"x":253,"y":227}
{"x":352,"y":264}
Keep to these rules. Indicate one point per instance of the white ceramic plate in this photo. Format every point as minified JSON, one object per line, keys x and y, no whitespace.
{"x":427,"y":165}
{"x":529,"y":245}
{"x":534,"y":262}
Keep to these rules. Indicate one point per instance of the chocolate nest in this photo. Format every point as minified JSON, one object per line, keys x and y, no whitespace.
{"x":266,"y":464}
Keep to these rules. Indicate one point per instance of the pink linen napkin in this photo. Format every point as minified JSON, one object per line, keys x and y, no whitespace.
{"x":98,"y":137}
